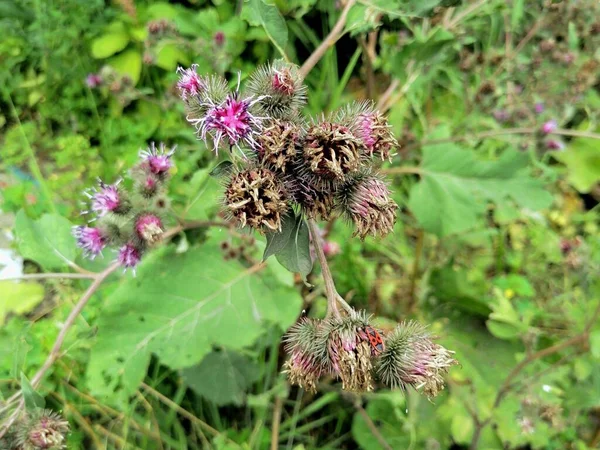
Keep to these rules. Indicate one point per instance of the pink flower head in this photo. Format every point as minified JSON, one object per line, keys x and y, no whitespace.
{"x":149,"y":228}
{"x":539,"y":108}
{"x":219,"y":38}
{"x":554,"y":144}
{"x":129,"y":256}
{"x":158,"y":160}
{"x":105,"y":198}
{"x":331,"y":248}
{"x":93,"y":80}
{"x":91,"y":240}
{"x":501,"y":115}
{"x":283,"y":82}
{"x":231,"y":120}
{"x":549,"y":126}
{"x":190,"y":83}
{"x":375,"y":133}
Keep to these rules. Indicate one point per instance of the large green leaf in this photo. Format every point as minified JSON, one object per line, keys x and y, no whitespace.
{"x":582,"y":159}
{"x":222,"y":377}
{"x":110,"y":43}
{"x":128,"y":63}
{"x":180,"y":306}
{"x":19,"y":298}
{"x":257,"y":12}
{"x":47,"y":241}
{"x":456,"y":187}
{"x":295,"y":254}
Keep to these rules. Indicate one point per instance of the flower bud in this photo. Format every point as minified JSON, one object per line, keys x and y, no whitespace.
{"x":555,"y":144}
{"x":276,"y":145}
{"x":44,"y":429}
{"x":256,"y":197}
{"x":157,"y":161}
{"x":129,"y":256}
{"x":91,"y":240}
{"x":411,"y":358}
{"x":149,"y":228}
{"x":190,"y":84}
{"x":282,"y":89}
{"x":549,"y":127}
{"x":375,"y":131}
{"x":93,"y":80}
{"x":366,"y":201}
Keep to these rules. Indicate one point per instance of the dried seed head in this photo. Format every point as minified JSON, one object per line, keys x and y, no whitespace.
{"x":256,"y":197}
{"x":149,"y":228}
{"x":315,"y":204}
{"x":277,"y":144}
{"x":91,"y":240}
{"x":44,"y":429}
{"x":331,"y":153}
{"x":307,"y":349}
{"x":350,"y":352}
{"x":282,"y":88}
{"x":412,"y":359}
{"x":366,"y":201}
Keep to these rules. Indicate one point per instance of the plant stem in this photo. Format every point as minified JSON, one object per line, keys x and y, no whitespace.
{"x":329,"y":41}
{"x":330,"y":291}
{"x":43,"y":276}
{"x":276,"y":422}
{"x":372,"y":427}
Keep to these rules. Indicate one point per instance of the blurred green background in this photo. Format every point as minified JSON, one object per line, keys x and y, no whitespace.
{"x":497,"y":246}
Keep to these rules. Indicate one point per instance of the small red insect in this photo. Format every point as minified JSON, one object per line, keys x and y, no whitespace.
{"x":375,"y":340}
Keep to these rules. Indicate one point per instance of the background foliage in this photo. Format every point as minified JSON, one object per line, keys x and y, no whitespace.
{"x":497,"y":245}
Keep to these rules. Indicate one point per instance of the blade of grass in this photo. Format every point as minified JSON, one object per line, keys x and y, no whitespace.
{"x":337,"y":93}
{"x":310,"y":409}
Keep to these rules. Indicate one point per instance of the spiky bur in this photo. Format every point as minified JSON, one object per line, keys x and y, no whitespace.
{"x":214,"y":91}
{"x":43,"y":429}
{"x":256,"y":197}
{"x":277,"y":145}
{"x":129,"y":220}
{"x":307,"y":349}
{"x":371,"y":127}
{"x":282,"y":89}
{"x":314,"y":203}
{"x":366,"y":201}
{"x":330,"y":155}
{"x":411,"y":358}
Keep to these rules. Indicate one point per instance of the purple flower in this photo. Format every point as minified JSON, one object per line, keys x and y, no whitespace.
{"x":539,"y":108}
{"x":149,"y":227}
{"x":555,"y":144}
{"x":105,"y":198}
{"x":231,"y":120}
{"x":93,"y":80}
{"x":331,"y":248}
{"x":91,"y":240}
{"x":158,"y":160}
{"x":219,"y":38}
{"x":190,"y":83}
{"x":129,"y":256}
{"x":549,"y":126}
{"x":501,"y":115}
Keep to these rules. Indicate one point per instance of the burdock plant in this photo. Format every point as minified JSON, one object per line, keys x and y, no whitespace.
{"x":288,"y":170}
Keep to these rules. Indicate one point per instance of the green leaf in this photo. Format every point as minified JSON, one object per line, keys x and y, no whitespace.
{"x":169,"y":56}
{"x":278,"y":240}
{"x":295,"y":255}
{"x":110,"y":43}
{"x":268,"y":16}
{"x":222,"y":377}
{"x":582,"y":159}
{"x":456,"y":187}
{"x":19,"y":298}
{"x":32,"y":399}
{"x":595,"y":344}
{"x":128,"y":63}
{"x":47,"y":241}
{"x":462,"y":427}
{"x":222,"y":169}
{"x":178,"y":307}
{"x":204,"y":196}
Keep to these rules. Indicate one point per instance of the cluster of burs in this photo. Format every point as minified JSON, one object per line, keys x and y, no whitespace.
{"x":283,"y":161}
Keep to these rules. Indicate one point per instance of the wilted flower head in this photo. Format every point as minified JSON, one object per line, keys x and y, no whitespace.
{"x":282,"y":88}
{"x":149,"y":228}
{"x":129,"y":256}
{"x":277,"y":144}
{"x":307,"y":350}
{"x":331,"y":153}
{"x":91,"y":240}
{"x":43,"y":429}
{"x":107,"y":198}
{"x":157,"y":160}
{"x":190,"y":84}
{"x":366,"y":201}
{"x":549,"y":127}
{"x":411,"y":358}
{"x":256,"y":197}
{"x":315,"y":203}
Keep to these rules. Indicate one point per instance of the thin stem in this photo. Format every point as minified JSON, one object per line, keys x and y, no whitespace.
{"x":372,"y":427}
{"x":329,"y":41}
{"x":276,"y":422}
{"x":43,"y":276}
{"x":415,"y":270}
{"x":330,"y":290}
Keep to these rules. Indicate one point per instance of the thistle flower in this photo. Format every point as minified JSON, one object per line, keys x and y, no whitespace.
{"x":549,"y":127}
{"x":412,"y":359}
{"x":149,"y":228}
{"x":256,"y":197}
{"x":350,"y":352}
{"x":276,"y":145}
{"x":539,"y":108}
{"x":129,"y":256}
{"x":157,"y":160}
{"x":366,"y":201}
{"x":308,"y":353}
{"x":44,"y":429}
{"x":282,"y":87}
{"x":555,"y":144}
{"x":230,"y":121}
{"x":215,"y":90}
{"x":219,"y":38}
{"x":107,"y":199}
{"x":331,"y":154}
{"x":190,"y":84}
{"x":93,"y":80}
{"x":91,"y":240}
